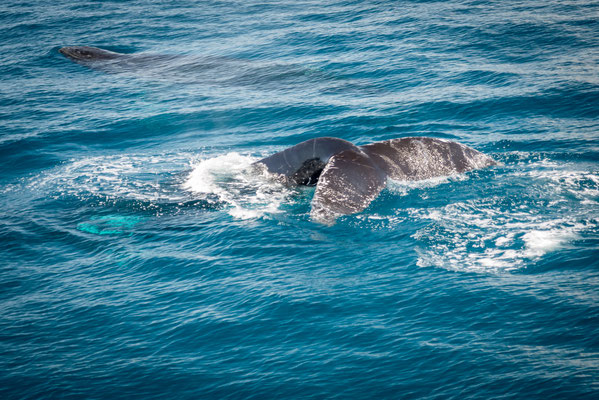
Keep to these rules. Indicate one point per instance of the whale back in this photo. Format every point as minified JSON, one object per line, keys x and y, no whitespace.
{"x":85,"y":54}
{"x":113,"y":62}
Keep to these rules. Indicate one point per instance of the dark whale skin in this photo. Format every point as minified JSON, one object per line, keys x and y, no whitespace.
{"x":349,"y":177}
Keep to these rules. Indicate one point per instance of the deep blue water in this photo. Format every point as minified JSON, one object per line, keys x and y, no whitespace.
{"x":141,"y":259}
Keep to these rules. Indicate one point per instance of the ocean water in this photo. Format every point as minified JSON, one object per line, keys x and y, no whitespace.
{"x":141,"y":259}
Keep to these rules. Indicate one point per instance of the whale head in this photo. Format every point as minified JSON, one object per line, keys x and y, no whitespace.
{"x":87,"y":53}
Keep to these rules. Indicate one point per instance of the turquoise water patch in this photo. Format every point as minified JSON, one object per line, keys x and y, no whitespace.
{"x":190,"y":276}
{"x":109,"y":224}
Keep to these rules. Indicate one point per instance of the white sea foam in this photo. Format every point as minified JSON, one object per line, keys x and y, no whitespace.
{"x":231,"y":177}
{"x":468,"y":241}
{"x":229,"y":180}
{"x":134,"y":177}
{"x":505,"y":232}
{"x":539,"y":242}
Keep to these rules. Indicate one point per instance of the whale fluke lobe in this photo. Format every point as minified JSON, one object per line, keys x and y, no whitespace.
{"x":349,"y":177}
{"x":417,"y":158}
{"x":347,"y":185}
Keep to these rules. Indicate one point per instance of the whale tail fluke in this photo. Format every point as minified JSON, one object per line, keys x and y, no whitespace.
{"x":348,"y":177}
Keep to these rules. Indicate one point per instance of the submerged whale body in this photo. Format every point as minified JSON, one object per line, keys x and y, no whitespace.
{"x":193,"y":69}
{"x":110,"y":61}
{"x":349,"y":177}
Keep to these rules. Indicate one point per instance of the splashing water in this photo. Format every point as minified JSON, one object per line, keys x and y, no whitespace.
{"x":248,"y":191}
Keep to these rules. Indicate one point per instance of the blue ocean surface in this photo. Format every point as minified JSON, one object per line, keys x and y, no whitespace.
{"x":140,"y":257}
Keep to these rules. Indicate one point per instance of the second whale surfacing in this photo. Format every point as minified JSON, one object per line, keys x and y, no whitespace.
{"x":88,"y":53}
{"x":110,"y":61}
{"x":193,"y":69}
{"x":349,"y":177}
